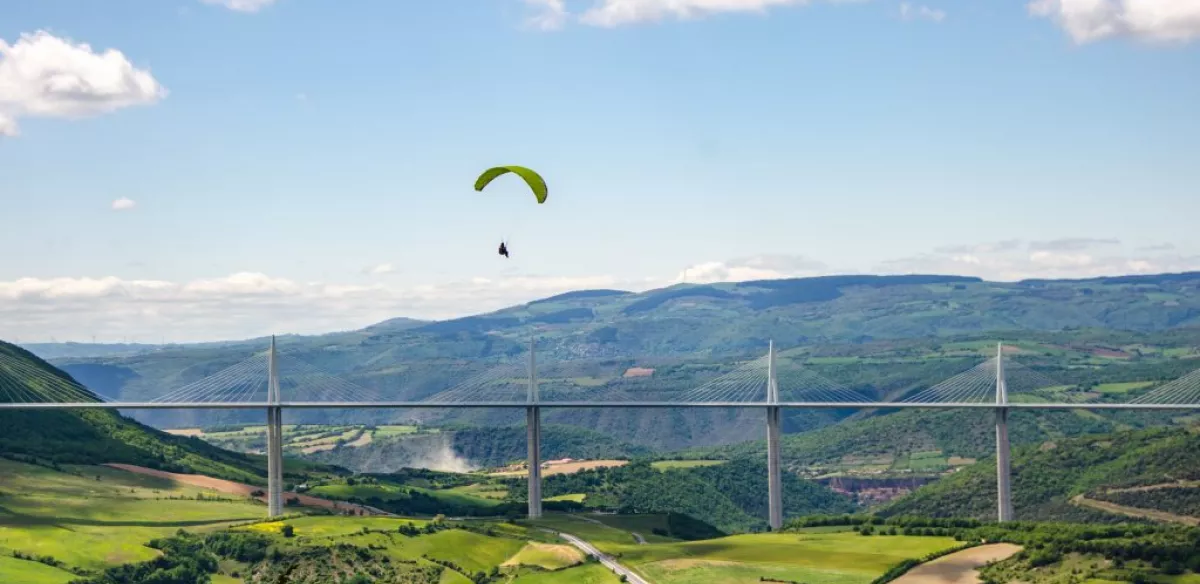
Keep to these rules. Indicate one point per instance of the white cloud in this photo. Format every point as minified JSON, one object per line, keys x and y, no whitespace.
{"x":922,"y":12}
{"x":8,"y":126}
{"x":609,"y":13}
{"x":1072,"y":244}
{"x":381,"y":269}
{"x":242,"y":5}
{"x":123,"y":204}
{"x":761,"y":267}
{"x":46,"y":76}
{"x":1151,"y":20}
{"x":550,"y":14}
{"x":990,"y":247}
{"x":250,"y":304}
{"x":1061,"y":258}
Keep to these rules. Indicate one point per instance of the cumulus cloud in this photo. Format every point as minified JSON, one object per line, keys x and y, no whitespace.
{"x":974,"y":248}
{"x":242,"y":5}
{"x":760,"y":267}
{"x":1158,"y":247}
{"x":921,"y":12}
{"x":610,"y":13}
{"x":42,"y":75}
{"x":1061,"y":258}
{"x":8,"y":126}
{"x":1072,"y":244}
{"x":380,"y":269}
{"x":1150,"y":20}
{"x":548,"y":14}
{"x":123,"y":204}
{"x":250,"y":304}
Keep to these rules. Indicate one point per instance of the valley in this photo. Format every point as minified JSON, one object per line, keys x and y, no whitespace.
{"x":674,"y":497}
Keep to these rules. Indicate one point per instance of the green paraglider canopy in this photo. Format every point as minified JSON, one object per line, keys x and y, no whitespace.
{"x":533,"y":179}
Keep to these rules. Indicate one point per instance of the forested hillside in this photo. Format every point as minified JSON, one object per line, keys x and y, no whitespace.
{"x":890,"y":437}
{"x":732,"y":496}
{"x":104,"y":436}
{"x":1049,"y":475}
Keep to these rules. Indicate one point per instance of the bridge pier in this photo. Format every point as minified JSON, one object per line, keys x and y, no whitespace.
{"x":774,"y":458}
{"x":274,"y":438}
{"x":533,"y":429}
{"x":1003,"y":452}
{"x":274,"y":461}
{"x":533,"y":422}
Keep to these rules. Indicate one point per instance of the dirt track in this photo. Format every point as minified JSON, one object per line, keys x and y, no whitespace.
{"x":1135,"y":511}
{"x":959,"y":567}
{"x":240,"y":489}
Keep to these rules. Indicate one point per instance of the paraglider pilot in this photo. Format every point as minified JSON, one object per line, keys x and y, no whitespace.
{"x":535,"y":181}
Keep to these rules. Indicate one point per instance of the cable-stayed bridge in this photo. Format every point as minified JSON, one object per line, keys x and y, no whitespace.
{"x":275,"y":381}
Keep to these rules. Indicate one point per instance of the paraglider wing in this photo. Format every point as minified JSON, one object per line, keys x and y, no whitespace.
{"x":533,"y":179}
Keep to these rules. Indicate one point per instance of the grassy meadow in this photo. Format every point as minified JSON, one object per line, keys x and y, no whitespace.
{"x":90,"y":517}
{"x":813,"y":558}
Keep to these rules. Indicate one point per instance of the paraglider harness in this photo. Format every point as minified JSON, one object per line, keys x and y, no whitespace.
{"x":503,"y":249}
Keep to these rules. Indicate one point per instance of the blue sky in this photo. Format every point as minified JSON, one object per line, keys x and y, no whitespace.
{"x":239,"y":167}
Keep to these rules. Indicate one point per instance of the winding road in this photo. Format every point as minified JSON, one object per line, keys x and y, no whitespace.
{"x":607,"y":560}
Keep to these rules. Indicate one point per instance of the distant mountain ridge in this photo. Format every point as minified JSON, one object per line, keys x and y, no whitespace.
{"x":684,"y":332}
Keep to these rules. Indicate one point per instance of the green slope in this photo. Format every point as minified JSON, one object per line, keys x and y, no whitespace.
{"x":1046,"y":477}
{"x":104,"y":436}
{"x":896,"y":436}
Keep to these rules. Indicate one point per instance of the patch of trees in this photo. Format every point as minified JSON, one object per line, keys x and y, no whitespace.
{"x":727,"y":496}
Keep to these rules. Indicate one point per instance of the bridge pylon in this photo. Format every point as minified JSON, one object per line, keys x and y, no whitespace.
{"x":774,"y":457}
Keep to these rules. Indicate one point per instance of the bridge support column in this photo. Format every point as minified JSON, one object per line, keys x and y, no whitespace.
{"x":1003,"y":468}
{"x":774,"y":459}
{"x":533,"y":421}
{"x":274,"y":461}
{"x":533,"y":428}
{"x":274,"y":438}
{"x":1004,"y":508}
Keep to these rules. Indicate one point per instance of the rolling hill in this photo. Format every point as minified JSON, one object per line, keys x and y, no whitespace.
{"x":58,"y":437}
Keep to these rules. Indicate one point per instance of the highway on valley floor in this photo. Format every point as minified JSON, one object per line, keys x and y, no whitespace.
{"x":607,"y":560}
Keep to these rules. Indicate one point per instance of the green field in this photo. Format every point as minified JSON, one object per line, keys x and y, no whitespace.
{"x":390,"y":492}
{"x":323,"y":526}
{"x":385,"y":431}
{"x":101,"y":516}
{"x":573,"y":497}
{"x":643,"y":525}
{"x":585,"y":574}
{"x":1119,"y":388}
{"x":475,"y":552}
{"x":484,"y":490}
{"x":27,"y":572}
{"x":677,"y":464}
{"x":548,"y":556}
{"x":605,"y":538}
{"x":835,"y":558}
